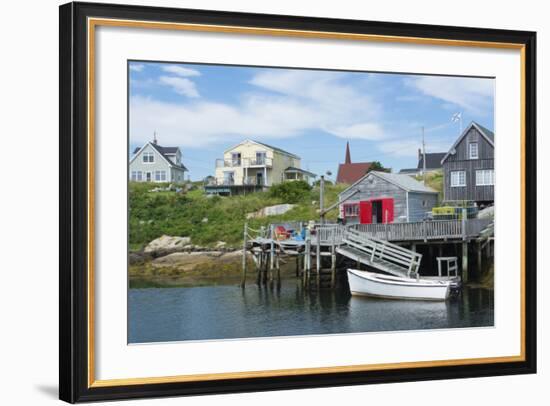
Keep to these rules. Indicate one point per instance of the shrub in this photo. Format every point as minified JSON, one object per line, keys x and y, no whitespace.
{"x":290,"y":192}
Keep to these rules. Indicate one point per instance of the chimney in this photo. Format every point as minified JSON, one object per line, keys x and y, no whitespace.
{"x":348,"y":155}
{"x":155,"y":138}
{"x":419,"y":154}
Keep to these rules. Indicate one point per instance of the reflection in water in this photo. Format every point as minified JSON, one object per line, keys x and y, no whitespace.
{"x":218,"y":312}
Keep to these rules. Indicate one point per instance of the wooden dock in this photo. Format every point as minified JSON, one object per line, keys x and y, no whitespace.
{"x":316,"y":249}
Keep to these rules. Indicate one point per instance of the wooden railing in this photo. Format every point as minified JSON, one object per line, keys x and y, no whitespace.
{"x":329,"y":234}
{"x":424,"y":230}
{"x":388,"y":253}
{"x":332,"y":234}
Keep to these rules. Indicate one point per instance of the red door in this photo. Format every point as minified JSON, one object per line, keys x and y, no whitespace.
{"x":387,"y":210}
{"x":365,"y":212}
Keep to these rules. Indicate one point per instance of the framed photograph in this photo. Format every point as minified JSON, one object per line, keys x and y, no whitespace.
{"x":256,"y":202}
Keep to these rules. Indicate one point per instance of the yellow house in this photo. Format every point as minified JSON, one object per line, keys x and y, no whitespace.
{"x":252,"y":165}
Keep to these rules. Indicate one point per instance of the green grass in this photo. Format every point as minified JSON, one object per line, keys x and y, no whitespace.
{"x":435,"y":181}
{"x":153,"y":214}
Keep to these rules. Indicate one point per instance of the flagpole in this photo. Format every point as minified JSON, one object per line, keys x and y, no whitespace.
{"x":424,"y":157}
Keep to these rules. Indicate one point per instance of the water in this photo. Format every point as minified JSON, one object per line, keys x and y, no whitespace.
{"x":226,"y":311}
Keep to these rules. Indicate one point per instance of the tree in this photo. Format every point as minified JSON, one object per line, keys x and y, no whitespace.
{"x":376,"y":166}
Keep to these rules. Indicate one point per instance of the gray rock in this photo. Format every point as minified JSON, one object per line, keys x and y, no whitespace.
{"x":271,"y":211}
{"x":220,"y":245}
{"x":135,"y":258}
{"x":165,"y":245}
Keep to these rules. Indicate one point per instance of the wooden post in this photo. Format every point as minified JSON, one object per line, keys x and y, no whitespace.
{"x":271,"y":253}
{"x":465,"y":262}
{"x":464,"y":222}
{"x":308,"y":278}
{"x":479,"y":252}
{"x":318,"y":259}
{"x":258,"y":269}
{"x":333,"y":266}
{"x":425,"y":230}
{"x":243,"y":280}
{"x":278,"y":267}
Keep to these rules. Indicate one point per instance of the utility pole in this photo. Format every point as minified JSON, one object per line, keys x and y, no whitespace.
{"x":423,"y":157}
{"x":322,"y":198}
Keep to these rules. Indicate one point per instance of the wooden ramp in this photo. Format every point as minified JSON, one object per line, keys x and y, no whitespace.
{"x":381,"y":255}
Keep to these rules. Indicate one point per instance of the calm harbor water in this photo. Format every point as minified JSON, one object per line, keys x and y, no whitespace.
{"x":226,"y":311}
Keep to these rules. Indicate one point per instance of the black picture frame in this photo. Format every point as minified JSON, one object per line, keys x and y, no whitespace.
{"x":74,"y":199}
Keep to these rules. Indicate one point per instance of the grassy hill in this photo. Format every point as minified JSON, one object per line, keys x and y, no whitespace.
{"x":434,"y":180}
{"x":210,"y":219}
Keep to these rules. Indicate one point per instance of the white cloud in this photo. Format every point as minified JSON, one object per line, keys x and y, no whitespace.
{"x":365,"y":131}
{"x":181,"y":86}
{"x":136,"y":67}
{"x":181,"y":71}
{"x":472,"y":94}
{"x":282,"y":104}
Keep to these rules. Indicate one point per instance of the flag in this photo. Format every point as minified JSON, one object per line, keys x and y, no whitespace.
{"x":456,"y":117}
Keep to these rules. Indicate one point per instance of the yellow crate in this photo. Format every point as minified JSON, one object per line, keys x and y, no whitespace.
{"x":443,"y":211}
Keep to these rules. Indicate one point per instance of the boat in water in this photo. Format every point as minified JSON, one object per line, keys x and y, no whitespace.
{"x":364,"y":283}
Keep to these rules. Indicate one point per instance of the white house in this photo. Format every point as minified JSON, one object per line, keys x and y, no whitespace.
{"x":252,"y":165}
{"x":153,"y":163}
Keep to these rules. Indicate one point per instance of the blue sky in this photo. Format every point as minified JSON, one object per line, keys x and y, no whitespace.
{"x":204,"y":109}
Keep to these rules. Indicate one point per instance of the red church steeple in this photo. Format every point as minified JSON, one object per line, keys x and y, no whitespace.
{"x":348,"y":155}
{"x":349,"y":172}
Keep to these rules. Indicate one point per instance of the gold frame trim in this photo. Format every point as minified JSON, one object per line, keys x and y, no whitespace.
{"x":94,"y":22}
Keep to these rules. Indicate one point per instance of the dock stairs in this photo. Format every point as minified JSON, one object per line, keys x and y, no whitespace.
{"x":381,"y":255}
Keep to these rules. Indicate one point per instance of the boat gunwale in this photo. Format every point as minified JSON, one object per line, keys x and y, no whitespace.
{"x":400,"y":281}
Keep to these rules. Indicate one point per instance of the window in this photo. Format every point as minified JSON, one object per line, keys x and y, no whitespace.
{"x":260,"y":158}
{"x":458,"y":178}
{"x":136,"y":176}
{"x":473,"y":150}
{"x":351,"y":210}
{"x":228,"y":178}
{"x":235,"y":159}
{"x":148,"y":157}
{"x":485,"y":177}
{"x":160,"y":176}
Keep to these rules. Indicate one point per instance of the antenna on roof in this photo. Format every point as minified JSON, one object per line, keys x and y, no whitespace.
{"x":155,"y":137}
{"x":423,"y":157}
{"x":457,"y":117}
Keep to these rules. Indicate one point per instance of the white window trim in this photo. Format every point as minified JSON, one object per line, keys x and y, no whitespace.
{"x":470,"y":150}
{"x":161,"y":175}
{"x":354,"y":207}
{"x":483,"y":174}
{"x":148,"y":153}
{"x":458,"y":178}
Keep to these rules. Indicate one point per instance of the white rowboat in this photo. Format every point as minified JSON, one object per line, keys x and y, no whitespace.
{"x":364,"y":283}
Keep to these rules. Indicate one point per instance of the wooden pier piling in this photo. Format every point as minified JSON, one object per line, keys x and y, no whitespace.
{"x":245,"y":241}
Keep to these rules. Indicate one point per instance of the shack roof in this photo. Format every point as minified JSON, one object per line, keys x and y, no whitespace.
{"x":405,"y":182}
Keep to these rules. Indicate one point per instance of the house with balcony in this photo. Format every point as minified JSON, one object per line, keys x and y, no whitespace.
{"x":253,"y":166}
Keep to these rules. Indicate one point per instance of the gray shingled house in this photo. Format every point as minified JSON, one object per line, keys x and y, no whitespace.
{"x":469,"y":167}
{"x":433,"y":163}
{"x":154,"y":163}
{"x":382,"y":197}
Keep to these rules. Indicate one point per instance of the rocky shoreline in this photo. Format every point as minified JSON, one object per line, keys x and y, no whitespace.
{"x":171,"y":259}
